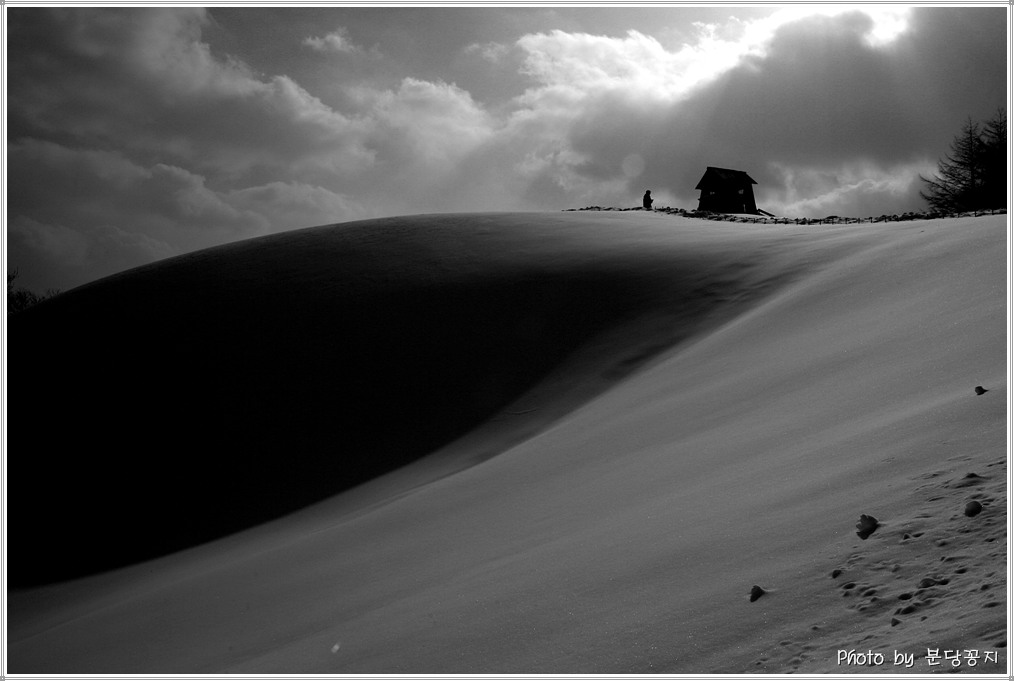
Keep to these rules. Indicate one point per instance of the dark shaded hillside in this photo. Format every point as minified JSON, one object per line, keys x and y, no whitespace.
{"x":175,"y":403}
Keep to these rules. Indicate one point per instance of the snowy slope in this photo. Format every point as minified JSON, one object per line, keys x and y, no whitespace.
{"x":755,"y":389}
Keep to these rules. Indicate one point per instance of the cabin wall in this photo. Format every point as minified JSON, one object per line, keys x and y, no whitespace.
{"x":728,"y":200}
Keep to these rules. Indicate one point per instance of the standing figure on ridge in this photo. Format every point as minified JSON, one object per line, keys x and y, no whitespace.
{"x":647,"y":200}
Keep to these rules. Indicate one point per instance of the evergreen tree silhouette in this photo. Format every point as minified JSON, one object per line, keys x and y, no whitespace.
{"x":973,"y":176}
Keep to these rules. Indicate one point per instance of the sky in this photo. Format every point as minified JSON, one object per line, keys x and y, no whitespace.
{"x":139,"y":133}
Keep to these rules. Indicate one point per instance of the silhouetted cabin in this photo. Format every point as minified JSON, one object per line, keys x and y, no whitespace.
{"x":727,"y":191}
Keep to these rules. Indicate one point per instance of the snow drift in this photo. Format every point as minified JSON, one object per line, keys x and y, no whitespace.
{"x":540,"y":443}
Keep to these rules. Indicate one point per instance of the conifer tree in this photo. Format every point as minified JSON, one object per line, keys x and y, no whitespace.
{"x":973,"y":176}
{"x":995,"y":183}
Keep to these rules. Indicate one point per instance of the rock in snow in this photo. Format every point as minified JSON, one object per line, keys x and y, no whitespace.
{"x":866,"y":526}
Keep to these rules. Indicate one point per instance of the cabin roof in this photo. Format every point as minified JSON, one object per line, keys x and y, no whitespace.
{"x":724,"y":177}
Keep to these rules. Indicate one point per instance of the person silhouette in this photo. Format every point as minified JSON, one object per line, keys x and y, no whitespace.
{"x":647,"y":200}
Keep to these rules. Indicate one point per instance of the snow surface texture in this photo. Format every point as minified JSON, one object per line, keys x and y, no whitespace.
{"x":747,"y":393}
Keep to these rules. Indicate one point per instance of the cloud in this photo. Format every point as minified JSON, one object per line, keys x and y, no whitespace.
{"x":124,"y":126}
{"x":424,"y":134}
{"x":104,"y":187}
{"x":56,"y":242}
{"x":854,"y":190}
{"x":573,"y":66}
{"x":112,"y":213}
{"x":142,"y":82}
{"x":289,"y":205}
{"x":493,"y":52}
{"x":432,"y":121}
{"x":336,"y":41}
{"x":639,"y":65}
{"x":54,"y":256}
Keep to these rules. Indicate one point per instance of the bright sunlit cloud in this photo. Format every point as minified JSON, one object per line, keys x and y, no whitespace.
{"x":886,"y":22}
{"x":636,"y":63}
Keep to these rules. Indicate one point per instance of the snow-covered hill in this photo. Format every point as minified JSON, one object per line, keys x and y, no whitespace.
{"x":599,"y":431}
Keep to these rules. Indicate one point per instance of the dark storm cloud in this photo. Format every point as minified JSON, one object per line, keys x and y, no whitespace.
{"x":122,"y":121}
{"x":142,"y":81}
